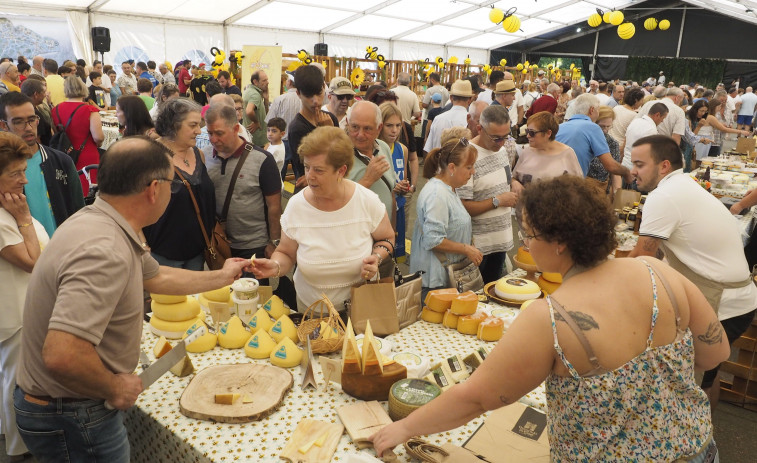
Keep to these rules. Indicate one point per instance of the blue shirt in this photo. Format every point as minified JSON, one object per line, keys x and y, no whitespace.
{"x":440,"y":214}
{"x":150,"y":77}
{"x":585,"y":137}
{"x":36,"y":194}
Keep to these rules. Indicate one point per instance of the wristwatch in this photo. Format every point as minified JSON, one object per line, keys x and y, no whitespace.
{"x":275,"y":243}
{"x":495,"y":202}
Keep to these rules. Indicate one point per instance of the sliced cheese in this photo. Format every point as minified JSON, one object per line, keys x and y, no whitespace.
{"x":260,"y":345}
{"x":219,"y":295}
{"x":351,"y":360}
{"x":232,"y":334}
{"x":283,"y":328}
{"x":304,"y":449}
{"x":183,"y":368}
{"x":465,"y":303}
{"x":371,"y":358}
{"x":286,"y":354}
{"x":473,"y":361}
{"x":440,"y":300}
{"x":322,"y":440}
{"x":167,"y":298}
{"x":176,"y":312}
{"x":275,"y":307}
{"x":454,"y":367}
{"x":162,"y":347}
{"x":246,"y":399}
{"x":260,"y":321}
{"x":204,"y":343}
{"x":441,"y":378}
{"x":432,"y":316}
{"x":227,"y":398}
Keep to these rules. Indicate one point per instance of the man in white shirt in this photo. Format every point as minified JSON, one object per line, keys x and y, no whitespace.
{"x":168,"y":77}
{"x":642,"y":127}
{"x":661,"y":79}
{"x":519,"y":103}
{"x":700,"y":238}
{"x":674,"y":124}
{"x":504,"y":95}
{"x":746,"y":111}
{"x":461,"y":95}
{"x":407,"y":100}
{"x":434,"y":86}
{"x":604,"y":93}
{"x":488,"y":95}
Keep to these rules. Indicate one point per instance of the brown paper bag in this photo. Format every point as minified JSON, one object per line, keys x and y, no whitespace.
{"x":515,"y":433}
{"x":745,"y":145}
{"x":377,"y":302}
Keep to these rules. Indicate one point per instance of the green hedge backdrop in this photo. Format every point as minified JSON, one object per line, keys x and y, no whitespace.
{"x":708,"y":72}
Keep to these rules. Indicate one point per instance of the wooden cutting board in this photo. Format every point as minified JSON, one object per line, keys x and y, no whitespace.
{"x":307,"y":431}
{"x":362,"y":420}
{"x":266,"y":385}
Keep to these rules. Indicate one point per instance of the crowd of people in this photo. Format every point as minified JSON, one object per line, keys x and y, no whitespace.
{"x":207,"y":151}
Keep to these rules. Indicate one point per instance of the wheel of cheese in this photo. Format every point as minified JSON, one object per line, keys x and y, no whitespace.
{"x":171,"y":330}
{"x":517,"y":289}
{"x":417,"y":366}
{"x":219,"y":295}
{"x":468,"y":324}
{"x":450,"y":319}
{"x":432,"y":316}
{"x":167,"y":298}
{"x":464,"y":304}
{"x":385,"y":346}
{"x":176,"y":312}
{"x":407,"y":395}
{"x":440,"y":300}
{"x":204,"y":302}
{"x":553,"y":277}
{"x":286,"y":354}
{"x":524,"y":256}
{"x":548,"y":286}
{"x":526,"y":304}
{"x":491,"y":329}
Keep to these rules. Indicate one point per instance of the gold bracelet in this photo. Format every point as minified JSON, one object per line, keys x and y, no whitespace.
{"x":22,"y":225}
{"x":278,"y":268}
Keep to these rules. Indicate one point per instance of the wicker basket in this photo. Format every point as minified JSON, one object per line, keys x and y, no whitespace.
{"x":325,"y":311}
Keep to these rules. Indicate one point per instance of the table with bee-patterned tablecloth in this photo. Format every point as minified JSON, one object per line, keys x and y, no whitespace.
{"x":158,"y":432}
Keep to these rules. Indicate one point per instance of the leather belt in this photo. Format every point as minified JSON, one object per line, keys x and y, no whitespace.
{"x":45,"y":400}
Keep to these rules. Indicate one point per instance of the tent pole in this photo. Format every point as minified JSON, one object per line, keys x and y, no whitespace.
{"x":680,"y":32}
{"x":226,"y":39}
{"x":594,"y":56}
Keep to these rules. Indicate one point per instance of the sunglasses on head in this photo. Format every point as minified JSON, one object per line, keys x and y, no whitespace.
{"x":345,"y":97}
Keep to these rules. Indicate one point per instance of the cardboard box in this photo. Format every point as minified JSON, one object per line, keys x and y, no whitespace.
{"x":746,"y":145}
{"x":515,"y":433}
{"x":625,"y":198}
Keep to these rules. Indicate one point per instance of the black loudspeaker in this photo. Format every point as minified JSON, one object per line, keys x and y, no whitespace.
{"x":101,"y":39}
{"x":321,"y":49}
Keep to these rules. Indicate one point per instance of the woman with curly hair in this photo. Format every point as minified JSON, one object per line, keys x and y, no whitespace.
{"x":616,"y":344}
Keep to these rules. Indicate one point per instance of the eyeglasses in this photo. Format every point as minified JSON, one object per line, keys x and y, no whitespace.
{"x":345,"y":97}
{"x":20,"y":124}
{"x":523,"y":237}
{"x":495,"y":139}
{"x":532,"y":133}
{"x":162,"y":179}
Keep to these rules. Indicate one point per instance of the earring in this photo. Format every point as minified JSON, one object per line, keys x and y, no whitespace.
{"x":339,"y":180}
{"x":557,"y":251}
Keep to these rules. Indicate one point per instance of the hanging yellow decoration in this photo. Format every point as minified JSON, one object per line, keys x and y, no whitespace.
{"x":325,"y":64}
{"x":452,"y":60}
{"x":301,"y":55}
{"x":487,"y":69}
{"x":519,"y":66}
{"x":650,"y":24}
{"x":595,"y":20}
{"x":496,"y":15}
{"x":511,"y":24}
{"x":606,"y":17}
{"x":526,"y":64}
{"x":664,"y":25}
{"x":616,"y":18}
{"x":572,"y":65}
{"x":294,"y":65}
{"x":357,"y":76}
{"x":381,"y":64}
{"x":467,"y":61}
{"x":503,"y":62}
{"x":525,"y":71}
{"x":626,"y":31}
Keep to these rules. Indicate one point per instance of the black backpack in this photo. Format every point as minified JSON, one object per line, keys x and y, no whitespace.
{"x":60,"y":140}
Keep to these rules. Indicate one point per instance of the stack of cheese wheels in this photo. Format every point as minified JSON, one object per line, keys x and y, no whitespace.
{"x":549,"y":282}
{"x":173,"y":315}
{"x":516,"y":289}
{"x":217,"y":295}
{"x":437,"y":302}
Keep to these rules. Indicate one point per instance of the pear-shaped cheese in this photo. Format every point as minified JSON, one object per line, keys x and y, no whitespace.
{"x":167,"y":298}
{"x":186,"y":310}
{"x":260,"y":321}
{"x":260,"y":345}
{"x":275,"y":307}
{"x":351,"y":361}
{"x":232,"y":334}
{"x":183,"y":367}
{"x":327,"y":332}
{"x":219,"y":295}
{"x":204,"y":343}
{"x":286,"y":354}
{"x":283,"y":328}
{"x":372,"y":361}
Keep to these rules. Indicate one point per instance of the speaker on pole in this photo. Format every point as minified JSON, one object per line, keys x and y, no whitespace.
{"x":321,"y":49}
{"x":101,"y":39}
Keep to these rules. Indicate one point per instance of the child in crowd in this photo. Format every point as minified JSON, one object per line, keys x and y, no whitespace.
{"x":275,"y":132}
{"x":144,"y":87}
{"x":96,"y":92}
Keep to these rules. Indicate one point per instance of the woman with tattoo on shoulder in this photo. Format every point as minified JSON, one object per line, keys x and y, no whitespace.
{"x":617,"y":345}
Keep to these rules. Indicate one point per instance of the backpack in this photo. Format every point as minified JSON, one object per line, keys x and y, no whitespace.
{"x":60,"y":140}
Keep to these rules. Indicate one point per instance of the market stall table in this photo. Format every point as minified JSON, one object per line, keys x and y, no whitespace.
{"x":159,"y":432}
{"x":110,"y":128}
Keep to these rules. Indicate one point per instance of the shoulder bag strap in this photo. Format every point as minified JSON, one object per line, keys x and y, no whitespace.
{"x":194,"y":203}
{"x":71,"y":118}
{"x":227,"y":202}
{"x":579,"y":335}
{"x":364,"y":161}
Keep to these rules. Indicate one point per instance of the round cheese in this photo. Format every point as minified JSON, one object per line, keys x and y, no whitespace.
{"x":417,"y":366}
{"x":464,"y":304}
{"x":450,"y":319}
{"x":232,"y":334}
{"x":176,"y":312}
{"x":432,"y":316}
{"x":554,"y":277}
{"x":526,"y":304}
{"x":491,"y":329}
{"x":204,"y":302}
{"x":524,"y":257}
{"x":204,"y":343}
{"x":171,"y":330}
{"x":260,"y":345}
{"x":517,"y":289}
{"x":283,"y":328}
{"x":385,"y":346}
{"x":219,"y":295}
{"x":468,"y":324}
{"x":167,"y":299}
{"x":549,"y":287}
{"x":440,"y":300}
{"x":286,"y":354}
{"x":407,"y":395}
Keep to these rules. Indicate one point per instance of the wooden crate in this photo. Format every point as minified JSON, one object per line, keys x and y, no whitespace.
{"x":742,"y":390}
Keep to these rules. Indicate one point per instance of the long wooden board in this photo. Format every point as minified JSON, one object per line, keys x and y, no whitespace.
{"x":307,"y":432}
{"x":266,"y":385}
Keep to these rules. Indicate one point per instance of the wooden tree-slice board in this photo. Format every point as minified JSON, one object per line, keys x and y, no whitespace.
{"x":266,"y":385}
{"x":307,"y":431}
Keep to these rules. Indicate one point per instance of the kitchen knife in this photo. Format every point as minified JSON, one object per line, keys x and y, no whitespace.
{"x":163,"y":364}
{"x":144,"y":360}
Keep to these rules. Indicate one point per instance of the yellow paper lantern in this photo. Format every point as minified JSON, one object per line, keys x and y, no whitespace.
{"x":616,"y":18}
{"x":595,"y":20}
{"x":525,"y":71}
{"x":664,"y":25}
{"x":467,"y":61}
{"x":511,"y":24}
{"x":650,"y":24}
{"x":519,"y":66}
{"x":503,"y":62}
{"x":496,"y":15}
{"x":452,"y":60}
{"x":606,"y":17}
{"x":626,"y":31}
{"x":381,"y":64}
{"x":526,"y":64}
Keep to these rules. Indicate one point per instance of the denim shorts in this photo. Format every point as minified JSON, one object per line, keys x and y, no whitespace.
{"x":61,"y":430}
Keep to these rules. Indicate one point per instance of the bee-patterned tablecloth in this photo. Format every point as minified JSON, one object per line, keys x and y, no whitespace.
{"x":158,"y":432}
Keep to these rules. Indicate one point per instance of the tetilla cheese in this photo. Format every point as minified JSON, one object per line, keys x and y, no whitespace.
{"x":232,"y":334}
{"x":260,"y":321}
{"x":260,"y":345}
{"x":204,"y":343}
{"x":275,"y":307}
{"x":286,"y":354}
{"x":283,"y":328}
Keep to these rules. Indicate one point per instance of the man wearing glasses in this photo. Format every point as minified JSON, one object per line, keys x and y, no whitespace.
{"x":54,"y":192}
{"x":341,"y":95}
{"x":487,"y":196}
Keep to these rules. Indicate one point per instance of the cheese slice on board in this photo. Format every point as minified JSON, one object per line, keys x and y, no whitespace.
{"x":351,"y":360}
{"x":227,"y":398}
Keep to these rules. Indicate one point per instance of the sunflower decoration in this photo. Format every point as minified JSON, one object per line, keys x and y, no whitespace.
{"x":357,"y":76}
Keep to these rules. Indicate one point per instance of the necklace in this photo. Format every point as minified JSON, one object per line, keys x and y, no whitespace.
{"x":186,"y":162}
